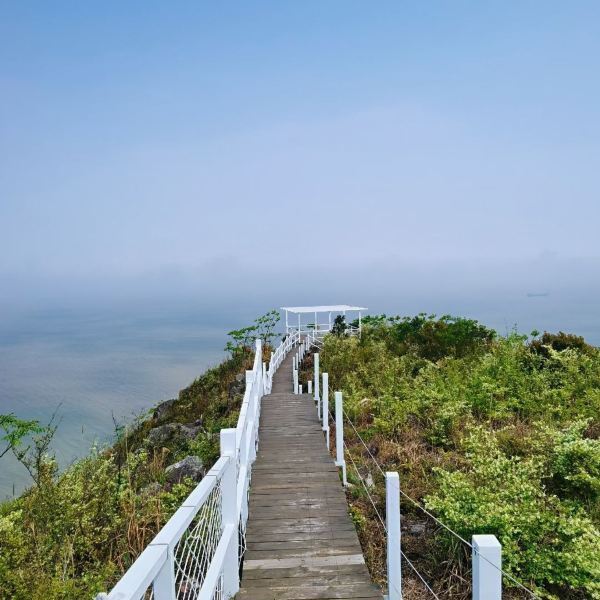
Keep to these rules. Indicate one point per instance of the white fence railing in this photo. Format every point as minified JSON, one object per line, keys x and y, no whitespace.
{"x":290,"y":341}
{"x":197,"y":554}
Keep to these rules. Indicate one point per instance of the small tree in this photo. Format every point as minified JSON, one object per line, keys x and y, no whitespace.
{"x":266,"y":326}
{"x":241,"y":339}
{"x":15,"y":431}
{"x":339,"y":325}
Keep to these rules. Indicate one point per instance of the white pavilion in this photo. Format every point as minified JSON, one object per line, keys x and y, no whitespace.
{"x":321,"y":318}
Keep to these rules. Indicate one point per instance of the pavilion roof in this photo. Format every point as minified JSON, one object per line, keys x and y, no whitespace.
{"x":337,"y":308}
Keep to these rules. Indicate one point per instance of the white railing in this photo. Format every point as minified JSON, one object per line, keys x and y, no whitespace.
{"x":277,"y":356}
{"x":321,"y":330}
{"x":197,"y":554}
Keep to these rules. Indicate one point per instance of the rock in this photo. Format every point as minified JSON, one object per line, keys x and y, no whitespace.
{"x":369,"y":480}
{"x":163,"y":410}
{"x":237,"y":386}
{"x":101,"y":596}
{"x":152,"y":489}
{"x":189,"y":432}
{"x":190,"y":466}
{"x":162,"y":434}
{"x":417,"y":528}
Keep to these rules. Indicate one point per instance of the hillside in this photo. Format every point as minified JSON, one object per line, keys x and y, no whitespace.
{"x":73,"y":534}
{"x":491,"y":434}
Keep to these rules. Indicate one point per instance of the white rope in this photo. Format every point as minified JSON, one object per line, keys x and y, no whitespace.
{"x":366,"y":489}
{"x":418,"y":505}
{"x":418,"y":574}
{"x":384,"y":526}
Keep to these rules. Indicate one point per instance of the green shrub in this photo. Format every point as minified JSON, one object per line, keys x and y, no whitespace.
{"x":546,"y":542}
{"x":509,"y":430}
{"x":559,"y":341}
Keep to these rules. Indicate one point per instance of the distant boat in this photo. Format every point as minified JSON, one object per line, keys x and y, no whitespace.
{"x":537,"y":294}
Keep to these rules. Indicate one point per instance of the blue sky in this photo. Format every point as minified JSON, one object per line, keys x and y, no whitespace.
{"x":145,"y":139}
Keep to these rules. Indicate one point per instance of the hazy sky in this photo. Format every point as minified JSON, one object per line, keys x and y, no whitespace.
{"x":144,"y":138}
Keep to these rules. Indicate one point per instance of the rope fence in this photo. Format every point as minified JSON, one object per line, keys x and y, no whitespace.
{"x":342,"y":450}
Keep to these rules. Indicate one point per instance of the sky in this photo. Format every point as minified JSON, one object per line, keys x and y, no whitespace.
{"x":201,"y":146}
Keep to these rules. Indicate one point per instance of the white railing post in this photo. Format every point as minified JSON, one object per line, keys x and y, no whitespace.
{"x":232,"y":472}
{"x":164,"y":583}
{"x":300,"y":389}
{"x":310,"y":386}
{"x":339,"y":435}
{"x":316,"y":388}
{"x":326,"y":407}
{"x":487,"y":565}
{"x":231,"y":579}
{"x":392,"y":517}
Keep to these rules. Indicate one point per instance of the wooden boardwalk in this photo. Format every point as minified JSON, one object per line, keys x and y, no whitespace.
{"x":301,"y":542}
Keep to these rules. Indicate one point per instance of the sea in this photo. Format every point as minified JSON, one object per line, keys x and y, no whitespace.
{"x":97,"y":368}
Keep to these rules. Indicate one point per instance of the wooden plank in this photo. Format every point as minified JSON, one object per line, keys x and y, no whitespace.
{"x":301,"y":543}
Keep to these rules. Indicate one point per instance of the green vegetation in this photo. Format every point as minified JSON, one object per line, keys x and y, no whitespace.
{"x":493,"y":434}
{"x":73,"y":534}
{"x":263,"y":328}
{"x":15,"y":431}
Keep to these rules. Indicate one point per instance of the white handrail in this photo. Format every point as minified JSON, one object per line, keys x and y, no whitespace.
{"x":197,"y":553}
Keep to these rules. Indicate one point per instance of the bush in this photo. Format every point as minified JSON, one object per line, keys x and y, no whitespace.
{"x":498,"y":434}
{"x":547,"y":542}
{"x":559,"y":341}
{"x":72,"y":535}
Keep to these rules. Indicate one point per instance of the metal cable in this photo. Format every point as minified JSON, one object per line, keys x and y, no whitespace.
{"x":384,"y":526}
{"x":417,"y":504}
{"x":366,"y":489}
{"x":418,"y":574}
{"x":458,"y":536}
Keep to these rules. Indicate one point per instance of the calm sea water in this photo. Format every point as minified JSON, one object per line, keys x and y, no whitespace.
{"x":93,"y":366}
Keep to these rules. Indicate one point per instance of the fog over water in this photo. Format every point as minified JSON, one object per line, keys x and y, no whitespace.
{"x":104,"y":350}
{"x":168,"y":174}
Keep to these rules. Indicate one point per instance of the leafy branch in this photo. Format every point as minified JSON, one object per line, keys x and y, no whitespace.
{"x":243,"y":339}
{"x":16,"y":431}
